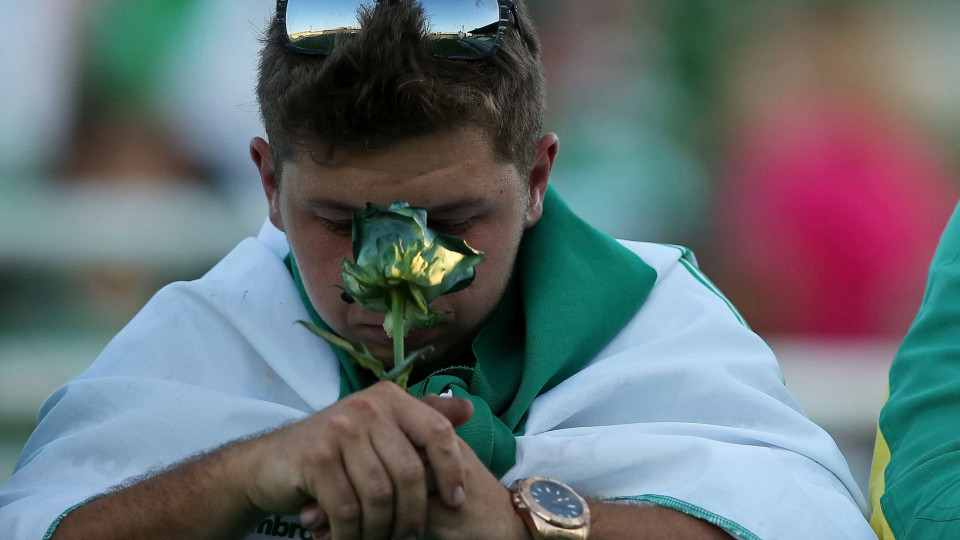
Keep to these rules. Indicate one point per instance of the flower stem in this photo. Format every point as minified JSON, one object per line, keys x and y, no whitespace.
{"x":396,"y":311}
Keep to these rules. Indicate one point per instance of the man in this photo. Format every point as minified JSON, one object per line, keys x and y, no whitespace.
{"x":616,"y":369}
{"x":913,"y":485}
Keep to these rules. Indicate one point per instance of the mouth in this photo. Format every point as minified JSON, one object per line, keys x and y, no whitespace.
{"x":374,"y":333}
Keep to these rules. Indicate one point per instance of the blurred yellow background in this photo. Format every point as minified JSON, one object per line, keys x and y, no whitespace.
{"x":806,"y":151}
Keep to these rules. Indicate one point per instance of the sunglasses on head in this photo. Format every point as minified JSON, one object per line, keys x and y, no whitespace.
{"x":457,"y":29}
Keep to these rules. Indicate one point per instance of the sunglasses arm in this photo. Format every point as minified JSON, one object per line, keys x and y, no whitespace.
{"x":512,"y":6}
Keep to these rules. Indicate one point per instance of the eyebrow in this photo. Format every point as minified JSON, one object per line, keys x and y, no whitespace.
{"x":471,"y":203}
{"x":326,"y":204}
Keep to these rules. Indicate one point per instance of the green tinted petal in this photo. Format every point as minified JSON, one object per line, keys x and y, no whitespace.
{"x":404,"y":265}
{"x":417,"y":295}
{"x":413,"y":318}
{"x":460,"y":246}
{"x":375,"y":223}
{"x":452,"y":264}
{"x":418,"y":320}
{"x":394,"y":245}
{"x":366,"y":286}
{"x":404,"y":208}
{"x":374,"y":304}
{"x":388,"y":325}
{"x":366,"y":276}
{"x":374,"y":298}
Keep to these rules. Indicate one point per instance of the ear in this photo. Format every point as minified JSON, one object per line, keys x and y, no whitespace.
{"x":547,"y":150}
{"x":263,"y":159}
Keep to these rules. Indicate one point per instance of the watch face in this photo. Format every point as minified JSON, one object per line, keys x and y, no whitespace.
{"x":556,"y":499}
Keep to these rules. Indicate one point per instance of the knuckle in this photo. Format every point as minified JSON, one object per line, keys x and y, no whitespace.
{"x":347,"y":512}
{"x":446,"y":451}
{"x":362,"y":405}
{"x":342,"y":426}
{"x":389,"y":391}
{"x":409,"y":526}
{"x":441,"y":428}
{"x":379,"y":493}
{"x":411,"y":473}
{"x":386,"y":387}
{"x":321,"y":456}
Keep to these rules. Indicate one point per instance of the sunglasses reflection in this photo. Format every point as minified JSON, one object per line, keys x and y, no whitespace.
{"x":454,"y":28}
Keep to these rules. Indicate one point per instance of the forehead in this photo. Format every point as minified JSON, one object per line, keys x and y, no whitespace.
{"x":425,"y":170}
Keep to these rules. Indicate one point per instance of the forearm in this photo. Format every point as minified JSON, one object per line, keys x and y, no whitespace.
{"x":630,"y":522}
{"x":201,"y":498}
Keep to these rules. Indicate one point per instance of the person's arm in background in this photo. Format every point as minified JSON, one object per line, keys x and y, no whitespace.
{"x":915,"y":483}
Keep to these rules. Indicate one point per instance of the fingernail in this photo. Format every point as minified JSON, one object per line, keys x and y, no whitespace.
{"x":459,"y":496}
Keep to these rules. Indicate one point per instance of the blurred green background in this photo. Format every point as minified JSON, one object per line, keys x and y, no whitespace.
{"x":807,"y":151}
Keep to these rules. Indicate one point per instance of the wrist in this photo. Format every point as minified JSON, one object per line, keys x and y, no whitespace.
{"x":236,"y":467}
{"x":518,"y":527}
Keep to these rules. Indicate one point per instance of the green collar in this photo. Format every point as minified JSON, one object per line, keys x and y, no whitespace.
{"x":574,"y":289}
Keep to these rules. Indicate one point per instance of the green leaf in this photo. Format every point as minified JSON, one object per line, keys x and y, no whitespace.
{"x":401,"y":374}
{"x":359,"y":353}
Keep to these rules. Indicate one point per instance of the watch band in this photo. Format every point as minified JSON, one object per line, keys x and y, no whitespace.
{"x":545,"y":531}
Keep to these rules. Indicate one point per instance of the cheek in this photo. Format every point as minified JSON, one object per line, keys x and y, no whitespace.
{"x":499,"y":245}
{"x":492,"y":275}
{"x":319,"y":258}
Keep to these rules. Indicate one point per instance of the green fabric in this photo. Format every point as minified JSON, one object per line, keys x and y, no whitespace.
{"x":131,"y":45}
{"x":573,"y":290}
{"x":56,"y":523}
{"x":921,"y":419}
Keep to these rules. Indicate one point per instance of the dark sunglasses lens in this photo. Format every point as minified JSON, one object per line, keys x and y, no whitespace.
{"x":456,"y":28}
{"x":462,"y":28}
{"x":315,"y":25}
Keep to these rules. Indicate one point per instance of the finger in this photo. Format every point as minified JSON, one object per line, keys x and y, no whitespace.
{"x":319,"y":531}
{"x":312,"y":516}
{"x":408,"y":473}
{"x":430,"y":477}
{"x":434,"y":433}
{"x":373,"y":486}
{"x":457,"y":410}
{"x":322,"y":533}
{"x":334,"y":494}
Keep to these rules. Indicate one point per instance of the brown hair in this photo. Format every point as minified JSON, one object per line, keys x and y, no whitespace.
{"x":384,"y":85}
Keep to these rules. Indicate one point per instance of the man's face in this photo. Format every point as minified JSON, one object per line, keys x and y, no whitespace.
{"x":467,"y":193}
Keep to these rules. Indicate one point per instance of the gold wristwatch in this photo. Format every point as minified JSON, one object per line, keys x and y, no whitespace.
{"x":551,"y":510}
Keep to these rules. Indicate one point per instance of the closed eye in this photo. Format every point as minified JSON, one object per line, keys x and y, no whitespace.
{"x":337,"y":227}
{"x":452,"y":228}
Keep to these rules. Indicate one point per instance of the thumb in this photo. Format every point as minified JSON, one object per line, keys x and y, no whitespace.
{"x":457,"y":410}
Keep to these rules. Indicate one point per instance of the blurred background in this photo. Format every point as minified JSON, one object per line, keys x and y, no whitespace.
{"x":806,"y":150}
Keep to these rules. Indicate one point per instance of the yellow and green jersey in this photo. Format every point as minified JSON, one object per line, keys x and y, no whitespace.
{"x":915,"y":482}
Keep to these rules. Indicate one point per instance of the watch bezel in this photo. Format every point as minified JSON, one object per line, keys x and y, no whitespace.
{"x":523,"y":490}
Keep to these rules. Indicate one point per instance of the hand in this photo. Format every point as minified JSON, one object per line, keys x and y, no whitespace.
{"x":358,"y":459}
{"x":488,"y":514}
